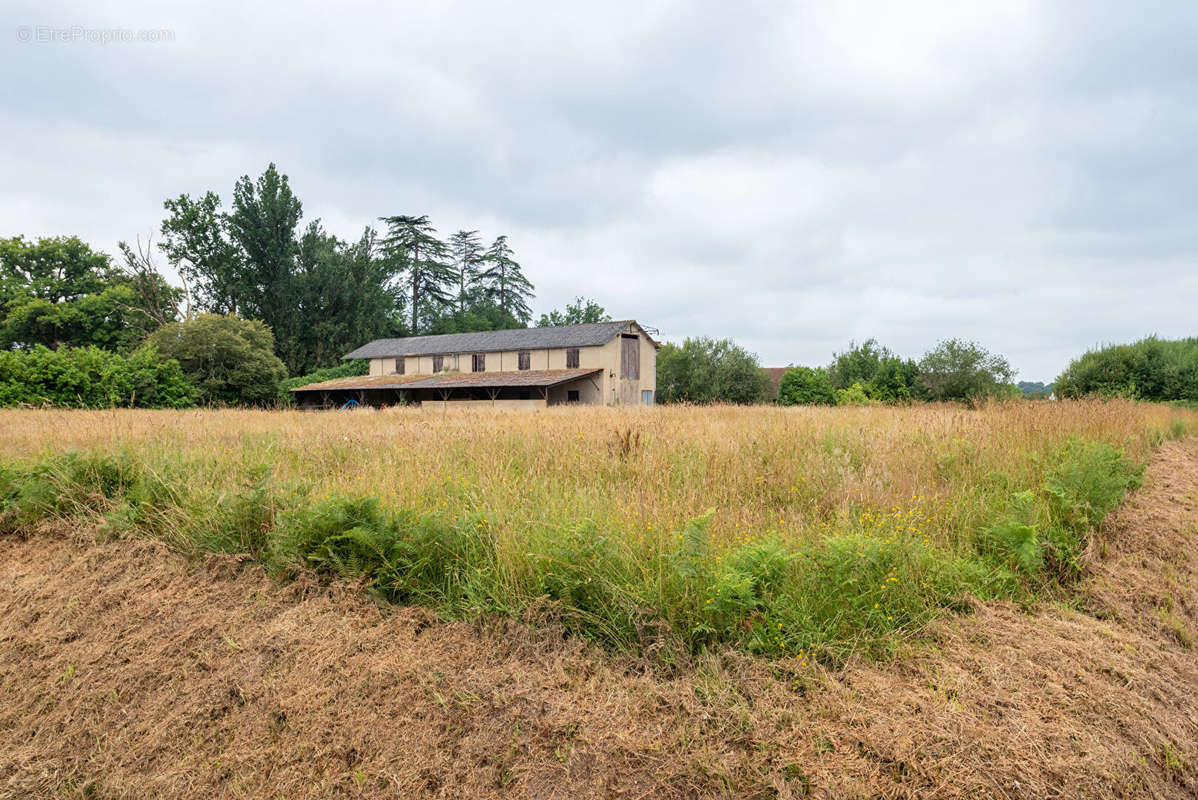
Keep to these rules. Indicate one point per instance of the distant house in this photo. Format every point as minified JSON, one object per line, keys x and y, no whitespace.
{"x":775,"y":377}
{"x":601,"y":363}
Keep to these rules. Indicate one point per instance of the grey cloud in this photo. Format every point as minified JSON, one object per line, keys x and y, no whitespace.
{"x":792,"y":176}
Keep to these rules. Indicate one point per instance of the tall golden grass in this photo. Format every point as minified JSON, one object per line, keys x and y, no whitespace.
{"x":793,"y":470}
{"x":936,"y":474}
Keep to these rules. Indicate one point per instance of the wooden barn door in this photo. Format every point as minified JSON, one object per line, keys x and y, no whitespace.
{"x":630,"y":368}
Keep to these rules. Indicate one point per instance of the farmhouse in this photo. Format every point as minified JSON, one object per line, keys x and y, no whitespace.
{"x":601,"y":363}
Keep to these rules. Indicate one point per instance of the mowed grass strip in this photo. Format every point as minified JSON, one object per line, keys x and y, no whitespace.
{"x":820,"y":533}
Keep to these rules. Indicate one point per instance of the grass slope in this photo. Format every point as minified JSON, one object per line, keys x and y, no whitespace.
{"x":130,"y":672}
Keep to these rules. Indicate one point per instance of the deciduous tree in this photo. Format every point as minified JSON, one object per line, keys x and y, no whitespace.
{"x":960,"y":370}
{"x":581,"y":311}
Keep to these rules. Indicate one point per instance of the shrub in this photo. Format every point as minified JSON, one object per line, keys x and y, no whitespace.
{"x":884,"y":376}
{"x":709,"y":371}
{"x":87,"y":377}
{"x":1085,"y":480}
{"x":350,"y":369}
{"x":231,"y":360}
{"x":805,"y":386}
{"x":855,"y":395}
{"x":1150,"y":369}
{"x":1014,"y":540}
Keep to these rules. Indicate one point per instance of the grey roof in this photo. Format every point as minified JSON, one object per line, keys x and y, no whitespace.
{"x":586,"y":335}
{"x":452,"y":380}
{"x":499,"y":380}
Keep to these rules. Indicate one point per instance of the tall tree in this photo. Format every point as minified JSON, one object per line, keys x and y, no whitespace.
{"x":263,"y":223}
{"x":504,"y":281}
{"x":467,"y":254}
{"x":344,"y":294}
{"x":421,"y":258}
{"x":57,"y":269}
{"x":155,"y":297}
{"x":197,"y":244}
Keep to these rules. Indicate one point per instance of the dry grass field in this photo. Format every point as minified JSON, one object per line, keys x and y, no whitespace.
{"x":716,"y":602}
{"x":825,"y":532}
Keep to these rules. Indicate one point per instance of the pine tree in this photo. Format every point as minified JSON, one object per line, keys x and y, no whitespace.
{"x":467,"y":254}
{"x":422,"y":259}
{"x":505,"y":282}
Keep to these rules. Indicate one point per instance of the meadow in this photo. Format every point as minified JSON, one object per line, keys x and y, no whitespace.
{"x":819,"y":533}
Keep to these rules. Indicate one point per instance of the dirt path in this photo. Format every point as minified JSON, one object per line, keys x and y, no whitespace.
{"x":126,"y":671}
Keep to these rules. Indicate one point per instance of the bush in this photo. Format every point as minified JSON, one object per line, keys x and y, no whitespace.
{"x":855,"y":395}
{"x":1085,"y":480}
{"x":709,"y":371}
{"x":87,"y":377}
{"x":230,"y":359}
{"x":1150,"y":369}
{"x":805,"y":386}
{"x":881,"y":374}
{"x":1043,"y":533}
{"x":350,"y":369}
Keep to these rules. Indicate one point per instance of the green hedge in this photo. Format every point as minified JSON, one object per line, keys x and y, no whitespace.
{"x":88,"y":377}
{"x":1150,"y":369}
{"x":350,"y":369}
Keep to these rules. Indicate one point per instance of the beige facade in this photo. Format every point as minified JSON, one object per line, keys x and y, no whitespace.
{"x":628,"y":362}
{"x":514,"y":405}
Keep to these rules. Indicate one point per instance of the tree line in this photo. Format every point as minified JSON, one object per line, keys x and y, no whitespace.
{"x":322,"y":296}
{"x":706,"y":370}
{"x":870,"y":373}
{"x":261,"y":298}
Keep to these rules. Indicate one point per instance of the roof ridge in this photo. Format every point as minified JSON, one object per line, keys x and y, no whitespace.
{"x":582,"y":334}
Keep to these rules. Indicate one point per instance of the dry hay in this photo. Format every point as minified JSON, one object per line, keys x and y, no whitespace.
{"x":129,"y":672}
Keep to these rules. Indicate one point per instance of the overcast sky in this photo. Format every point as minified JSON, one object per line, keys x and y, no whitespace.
{"x":793,"y":176}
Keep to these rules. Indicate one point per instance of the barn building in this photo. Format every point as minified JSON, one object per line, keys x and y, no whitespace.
{"x":600,"y":363}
